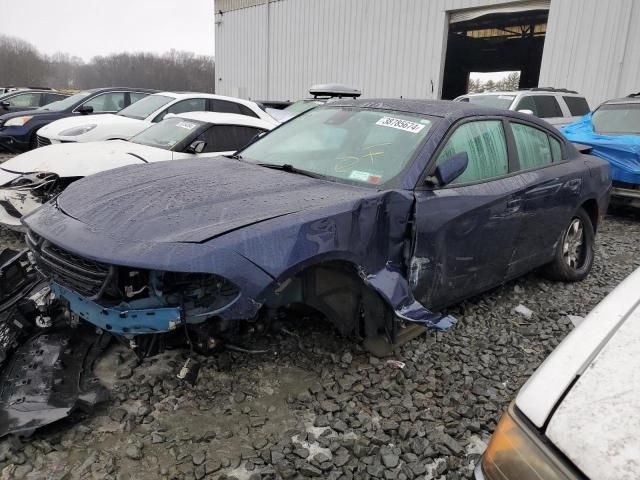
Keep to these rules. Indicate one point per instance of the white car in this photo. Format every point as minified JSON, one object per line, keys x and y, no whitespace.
{"x":557,"y":106}
{"x":578,"y":416}
{"x":30,"y":179}
{"x":140,"y":115}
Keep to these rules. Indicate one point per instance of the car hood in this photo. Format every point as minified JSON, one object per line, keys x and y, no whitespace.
{"x":194,"y":200}
{"x":597,"y":423}
{"x":42,"y":114}
{"x":107,"y":120}
{"x":80,"y":159}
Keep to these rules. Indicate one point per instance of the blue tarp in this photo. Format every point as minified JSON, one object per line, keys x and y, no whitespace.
{"x":621,"y":151}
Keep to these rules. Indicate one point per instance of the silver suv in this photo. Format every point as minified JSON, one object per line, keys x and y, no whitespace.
{"x":557,"y":106}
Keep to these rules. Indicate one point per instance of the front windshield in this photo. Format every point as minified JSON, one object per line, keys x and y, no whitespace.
{"x":145,"y":106}
{"x":66,"y":103}
{"x":168,"y":133}
{"x":620,"y":119}
{"x":303,"y":105}
{"x":344,"y":143}
{"x":495,"y":101}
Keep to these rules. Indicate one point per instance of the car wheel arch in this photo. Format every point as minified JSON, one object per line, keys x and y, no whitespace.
{"x":591,"y":207}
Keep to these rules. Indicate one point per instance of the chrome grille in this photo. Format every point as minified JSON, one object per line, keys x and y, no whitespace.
{"x":42,"y":141}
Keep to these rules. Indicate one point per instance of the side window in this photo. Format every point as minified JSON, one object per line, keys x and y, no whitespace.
{"x":224,"y":106}
{"x":527,"y":103}
{"x":578,"y":106}
{"x":53,"y":97}
{"x":547,"y":106}
{"x":247,"y":111}
{"x":107,"y":102}
{"x":224,"y":138}
{"x":190,"y":105}
{"x":26,"y":100}
{"x":534,"y":149}
{"x":486,"y":146}
{"x":556,"y":149}
{"x":135,"y":96}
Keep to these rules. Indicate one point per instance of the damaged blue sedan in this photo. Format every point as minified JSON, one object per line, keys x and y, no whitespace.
{"x":374,"y":213}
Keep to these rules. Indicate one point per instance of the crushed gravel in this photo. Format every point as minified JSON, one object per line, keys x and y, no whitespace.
{"x":317,"y":405}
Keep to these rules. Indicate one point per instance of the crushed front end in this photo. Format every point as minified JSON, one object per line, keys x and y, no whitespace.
{"x":26,"y":193}
{"x":146,"y":307}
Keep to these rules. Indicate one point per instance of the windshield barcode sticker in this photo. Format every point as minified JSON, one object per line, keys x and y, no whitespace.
{"x":400,"y":124}
{"x":187,"y":125}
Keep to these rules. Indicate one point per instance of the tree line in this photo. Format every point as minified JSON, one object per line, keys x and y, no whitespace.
{"x":21,"y":64}
{"x":508,"y":83}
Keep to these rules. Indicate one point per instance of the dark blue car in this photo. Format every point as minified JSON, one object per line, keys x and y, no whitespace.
{"x":29,"y":99}
{"x":18,"y":129}
{"x":375,"y":213}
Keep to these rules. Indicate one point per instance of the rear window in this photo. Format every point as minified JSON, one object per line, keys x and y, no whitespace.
{"x":617,"y":119}
{"x":578,"y":106}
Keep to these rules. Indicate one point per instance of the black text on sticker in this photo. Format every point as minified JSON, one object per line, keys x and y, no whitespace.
{"x":400,"y":124}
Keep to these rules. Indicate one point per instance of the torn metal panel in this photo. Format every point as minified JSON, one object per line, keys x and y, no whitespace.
{"x":48,"y":378}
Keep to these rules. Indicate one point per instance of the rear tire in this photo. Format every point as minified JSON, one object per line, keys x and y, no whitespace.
{"x":575,"y":251}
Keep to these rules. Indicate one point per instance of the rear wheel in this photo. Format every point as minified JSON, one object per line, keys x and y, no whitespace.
{"x":575,"y":251}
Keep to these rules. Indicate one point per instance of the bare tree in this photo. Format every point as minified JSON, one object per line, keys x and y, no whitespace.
{"x":22,"y":65}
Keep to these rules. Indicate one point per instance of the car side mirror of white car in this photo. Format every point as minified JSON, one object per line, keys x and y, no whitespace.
{"x":528,"y":112}
{"x":197,"y":147}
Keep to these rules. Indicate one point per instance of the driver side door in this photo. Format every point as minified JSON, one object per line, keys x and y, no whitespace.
{"x":464,"y":232}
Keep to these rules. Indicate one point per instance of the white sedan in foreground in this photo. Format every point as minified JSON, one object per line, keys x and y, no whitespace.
{"x":578,"y":416}
{"x":30,"y":179}
{"x":142,"y":114}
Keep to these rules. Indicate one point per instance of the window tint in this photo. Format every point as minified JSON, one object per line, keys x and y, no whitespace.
{"x":527,"y":103}
{"x":578,"y":106}
{"x":224,"y":138}
{"x":53,"y":97}
{"x":485,"y":144}
{"x":26,"y":100}
{"x":532,"y":145}
{"x":247,"y":111}
{"x":191,"y":105}
{"x":547,"y":106}
{"x":556,"y":149}
{"x":107,"y":102}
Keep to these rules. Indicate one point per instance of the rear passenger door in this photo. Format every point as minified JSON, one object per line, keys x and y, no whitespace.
{"x":550,"y":191}
{"x":543,"y":106}
{"x":465,"y":232}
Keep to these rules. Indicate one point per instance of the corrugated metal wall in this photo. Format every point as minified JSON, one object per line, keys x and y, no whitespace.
{"x":593,"y":46}
{"x":396,"y":48}
{"x":385,"y":47}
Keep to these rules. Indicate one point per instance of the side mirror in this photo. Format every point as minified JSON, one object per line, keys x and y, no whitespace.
{"x":5,"y":104}
{"x":527,"y":111}
{"x":451,"y":168}
{"x":196,"y":147}
{"x":84,"y":109}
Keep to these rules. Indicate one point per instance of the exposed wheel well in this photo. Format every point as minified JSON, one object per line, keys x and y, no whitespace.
{"x":336,"y":290}
{"x":591,"y":207}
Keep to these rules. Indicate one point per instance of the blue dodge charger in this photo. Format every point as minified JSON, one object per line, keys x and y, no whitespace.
{"x":375,"y":213}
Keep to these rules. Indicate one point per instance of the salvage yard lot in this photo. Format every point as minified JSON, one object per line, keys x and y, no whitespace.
{"x":317,"y":405}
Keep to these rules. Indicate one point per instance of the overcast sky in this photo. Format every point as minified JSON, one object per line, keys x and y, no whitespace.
{"x":98,"y":27}
{"x":486,"y":76}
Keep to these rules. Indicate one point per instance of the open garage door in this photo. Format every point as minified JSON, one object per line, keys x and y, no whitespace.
{"x":494,"y":39}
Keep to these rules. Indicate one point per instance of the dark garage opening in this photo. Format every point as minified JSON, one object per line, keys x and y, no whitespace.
{"x":491,"y":43}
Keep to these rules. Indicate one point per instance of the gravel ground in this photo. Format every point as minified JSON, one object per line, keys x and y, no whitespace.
{"x":317,"y":405}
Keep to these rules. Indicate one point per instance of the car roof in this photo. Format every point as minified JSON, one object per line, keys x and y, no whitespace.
{"x":623,"y":100}
{"x":186,"y":95}
{"x":112,"y":89}
{"x":218,"y":118}
{"x":447,"y":109}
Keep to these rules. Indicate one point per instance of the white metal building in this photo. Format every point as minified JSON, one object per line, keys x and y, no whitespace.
{"x":276,"y":49}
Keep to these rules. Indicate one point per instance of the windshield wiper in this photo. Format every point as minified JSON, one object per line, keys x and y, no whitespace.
{"x":291,"y":169}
